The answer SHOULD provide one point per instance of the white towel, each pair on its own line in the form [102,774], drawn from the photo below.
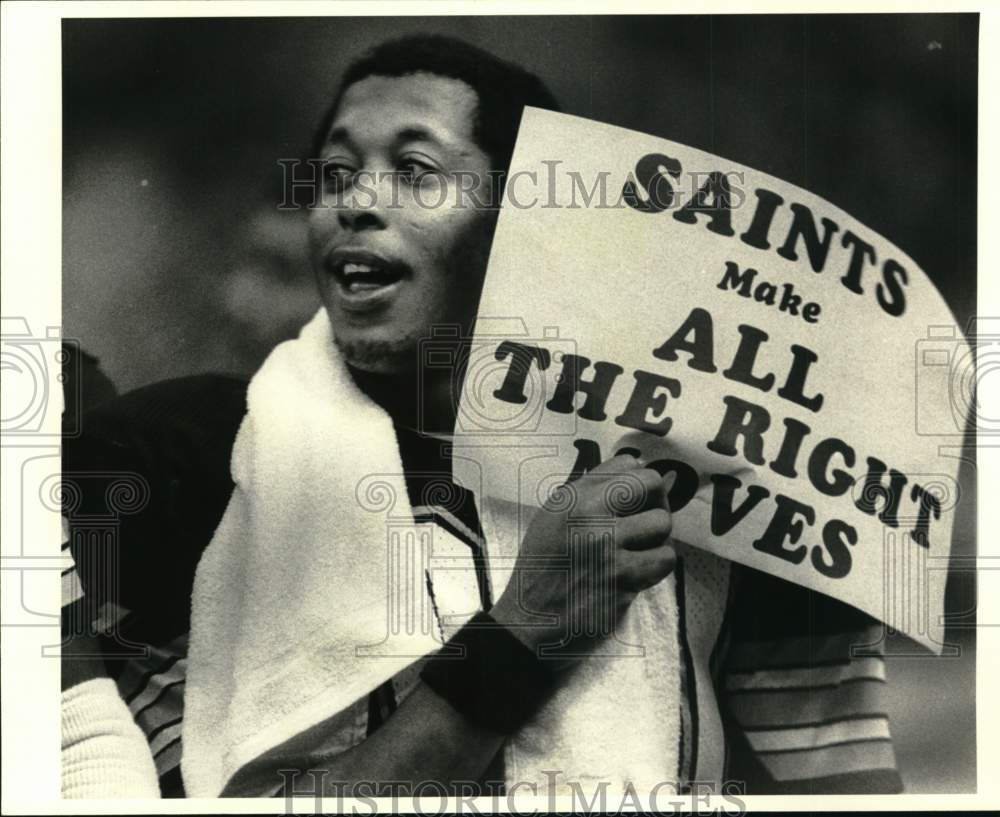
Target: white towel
[616,718]
[296,581]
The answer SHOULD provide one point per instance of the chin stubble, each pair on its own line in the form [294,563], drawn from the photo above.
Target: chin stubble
[379,355]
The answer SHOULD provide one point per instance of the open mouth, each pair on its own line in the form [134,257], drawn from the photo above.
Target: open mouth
[365,280]
[355,277]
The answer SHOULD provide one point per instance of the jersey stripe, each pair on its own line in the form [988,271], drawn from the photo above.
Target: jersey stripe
[824,676]
[843,758]
[811,737]
[794,707]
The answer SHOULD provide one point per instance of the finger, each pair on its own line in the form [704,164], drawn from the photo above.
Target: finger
[615,465]
[625,493]
[645,530]
[655,488]
[641,569]
[633,492]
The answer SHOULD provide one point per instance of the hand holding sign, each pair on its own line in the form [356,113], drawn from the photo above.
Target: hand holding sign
[571,590]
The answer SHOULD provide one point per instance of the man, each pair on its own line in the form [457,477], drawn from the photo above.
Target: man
[769,691]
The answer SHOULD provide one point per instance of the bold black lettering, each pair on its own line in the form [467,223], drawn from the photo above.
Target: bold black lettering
[724,516]
[895,277]
[521,357]
[741,371]
[596,390]
[789,300]
[649,394]
[756,234]
[872,491]
[784,463]
[765,293]
[701,345]
[810,312]
[839,482]
[804,226]
[629,450]
[685,483]
[837,535]
[861,252]
[742,419]
[794,388]
[713,199]
[784,525]
[588,457]
[651,173]
[733,279]
[929,504]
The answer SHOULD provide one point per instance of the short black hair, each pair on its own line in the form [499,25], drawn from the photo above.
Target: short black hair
[502,88]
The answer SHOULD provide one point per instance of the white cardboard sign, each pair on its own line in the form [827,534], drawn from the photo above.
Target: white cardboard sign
[792,368]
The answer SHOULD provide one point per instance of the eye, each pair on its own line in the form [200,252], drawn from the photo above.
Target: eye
[337,175]
[415,168]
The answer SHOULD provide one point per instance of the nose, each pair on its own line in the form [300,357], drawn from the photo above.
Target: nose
[358,219]
[364,208]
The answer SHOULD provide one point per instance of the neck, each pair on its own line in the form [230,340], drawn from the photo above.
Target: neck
[427,407]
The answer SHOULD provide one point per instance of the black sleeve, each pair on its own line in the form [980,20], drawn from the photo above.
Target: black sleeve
[146,481]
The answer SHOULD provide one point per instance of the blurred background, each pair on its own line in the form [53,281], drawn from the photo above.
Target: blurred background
[176,259]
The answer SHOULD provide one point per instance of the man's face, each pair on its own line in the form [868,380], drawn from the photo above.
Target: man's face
[409,252]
